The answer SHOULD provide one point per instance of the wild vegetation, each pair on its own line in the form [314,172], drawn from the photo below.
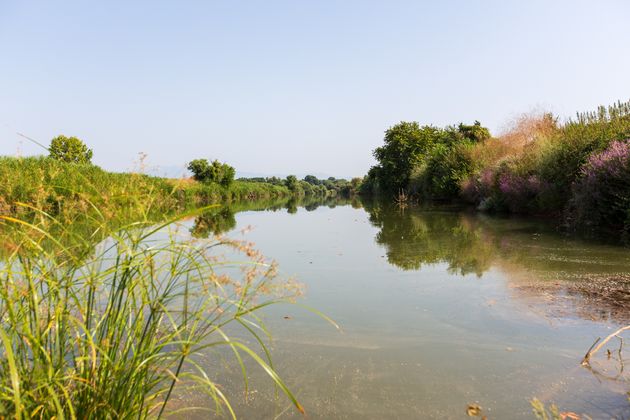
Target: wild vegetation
[313,186]
[107,302]
[112,329]
[59,187]
[70,149]
[220,173]
[66,180]
[578,171]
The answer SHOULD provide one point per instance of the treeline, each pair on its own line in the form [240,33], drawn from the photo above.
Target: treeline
[312,186]
[66,182]
[578,170]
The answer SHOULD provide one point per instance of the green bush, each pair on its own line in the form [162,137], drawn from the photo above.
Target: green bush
[220,173]
[70,149]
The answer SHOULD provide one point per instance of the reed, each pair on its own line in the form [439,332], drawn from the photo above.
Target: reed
[113,328]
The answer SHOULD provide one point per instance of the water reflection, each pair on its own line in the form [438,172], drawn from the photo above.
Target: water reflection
[221,219]
[413,238]
[510,320]
[568,276]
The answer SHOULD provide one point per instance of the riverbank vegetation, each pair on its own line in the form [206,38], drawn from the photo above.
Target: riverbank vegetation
[115,328]
[577,171]
[61,187]
[311,185]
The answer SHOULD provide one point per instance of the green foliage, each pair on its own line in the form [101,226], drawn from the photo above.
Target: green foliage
[537,167]
[220,173]
[312,179]
[406,146]
[70,149]
[62,188]
[292,184]
[112,330]
[426,160]
[313,186]
[446,168]
[475,133]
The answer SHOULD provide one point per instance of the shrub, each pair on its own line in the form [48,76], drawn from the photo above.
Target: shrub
[519,192]
[220,173]
[292,184]
[70,149]
[445,171]
[601,195]
[406,145]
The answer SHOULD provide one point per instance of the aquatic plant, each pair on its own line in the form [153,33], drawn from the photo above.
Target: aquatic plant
[115,330]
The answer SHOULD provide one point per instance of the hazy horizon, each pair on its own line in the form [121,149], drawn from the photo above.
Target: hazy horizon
[294,87]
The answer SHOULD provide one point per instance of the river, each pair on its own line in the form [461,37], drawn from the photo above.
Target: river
[438,310]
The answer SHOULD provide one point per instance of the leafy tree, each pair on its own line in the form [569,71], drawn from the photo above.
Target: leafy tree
[426,158]
[218,172]
[446,169]
[200,169]
[70,149]
[312,179]
[227,173]
[292,183]
[406,145]
[475,133]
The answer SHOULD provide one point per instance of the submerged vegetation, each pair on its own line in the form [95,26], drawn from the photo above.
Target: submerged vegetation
[578,171]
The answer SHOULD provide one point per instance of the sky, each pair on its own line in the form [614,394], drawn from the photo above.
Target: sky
[281,87]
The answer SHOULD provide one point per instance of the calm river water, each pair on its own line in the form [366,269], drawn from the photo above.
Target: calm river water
[438,310]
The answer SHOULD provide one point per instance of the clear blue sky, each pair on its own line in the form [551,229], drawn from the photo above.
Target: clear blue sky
[294,86]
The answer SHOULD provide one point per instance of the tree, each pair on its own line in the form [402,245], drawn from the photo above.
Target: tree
[406,145]
[70,149]
[292,183]
[312,179]
[200,169]
[475,133]
[218,172]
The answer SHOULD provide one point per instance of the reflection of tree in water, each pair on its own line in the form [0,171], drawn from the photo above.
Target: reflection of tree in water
[311,203]
[413,238]
[563,276]
[291,206]
[213,222]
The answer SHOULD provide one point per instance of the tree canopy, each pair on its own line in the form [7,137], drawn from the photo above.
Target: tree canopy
[218,172]
[69,149]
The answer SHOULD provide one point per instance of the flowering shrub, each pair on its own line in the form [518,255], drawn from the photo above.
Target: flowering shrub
[601,195]
[478,188]
[519,191]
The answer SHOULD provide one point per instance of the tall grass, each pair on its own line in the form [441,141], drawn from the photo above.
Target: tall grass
[65,188]
[111,329]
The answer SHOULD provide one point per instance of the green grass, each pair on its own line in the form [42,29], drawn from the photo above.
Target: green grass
[66,188]
[109,329]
